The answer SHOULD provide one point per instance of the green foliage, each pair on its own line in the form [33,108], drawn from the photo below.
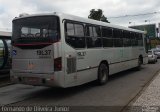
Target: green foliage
[97,15]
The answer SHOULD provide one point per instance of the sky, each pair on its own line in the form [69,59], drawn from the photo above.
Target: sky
[10,9]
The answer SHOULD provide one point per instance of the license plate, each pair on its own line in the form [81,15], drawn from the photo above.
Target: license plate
[33,79]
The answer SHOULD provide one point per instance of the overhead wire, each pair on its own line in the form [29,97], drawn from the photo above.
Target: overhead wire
[142,14]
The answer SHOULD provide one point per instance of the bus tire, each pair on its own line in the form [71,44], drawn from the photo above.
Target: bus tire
[103,74]
[139,63]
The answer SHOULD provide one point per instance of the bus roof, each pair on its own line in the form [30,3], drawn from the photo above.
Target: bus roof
[5,35]
[80,19]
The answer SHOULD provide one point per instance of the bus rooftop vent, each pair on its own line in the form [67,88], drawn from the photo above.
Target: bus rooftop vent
[54,12]
[23,14]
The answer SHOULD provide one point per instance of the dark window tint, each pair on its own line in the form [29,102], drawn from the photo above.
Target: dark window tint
[126,39]
[107,37]
[140,40]
[136,39]
[75,35]
[89,31]
[33,30]
[93,36]
[133,38]
[118,38]
[96,32]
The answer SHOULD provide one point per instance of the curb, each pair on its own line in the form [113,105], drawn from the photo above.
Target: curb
[140,92]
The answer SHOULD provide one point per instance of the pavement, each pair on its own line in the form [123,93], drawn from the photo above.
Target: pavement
[4,80]
[148,100]
[139,89]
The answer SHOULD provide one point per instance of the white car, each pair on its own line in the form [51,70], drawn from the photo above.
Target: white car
[152,57]
[157,52]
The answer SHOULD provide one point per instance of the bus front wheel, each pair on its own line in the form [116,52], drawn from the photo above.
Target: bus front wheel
[103,74]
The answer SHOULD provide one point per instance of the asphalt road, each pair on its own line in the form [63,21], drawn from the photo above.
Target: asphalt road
[113,96]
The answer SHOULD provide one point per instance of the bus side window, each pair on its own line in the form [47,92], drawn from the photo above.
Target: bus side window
[117,36]
[70,29]
[93,36]
[97,36]
[133,39]
[136,39]
[125,39]
[89,35]
[140,40]
[75,35]
[107,37]
[79,34]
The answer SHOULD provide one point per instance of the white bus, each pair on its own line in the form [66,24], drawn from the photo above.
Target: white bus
[62,50]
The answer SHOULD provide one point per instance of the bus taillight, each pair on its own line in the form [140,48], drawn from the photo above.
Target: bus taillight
[58,64]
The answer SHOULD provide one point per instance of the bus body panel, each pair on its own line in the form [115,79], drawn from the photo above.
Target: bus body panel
[87,64]
[32,61]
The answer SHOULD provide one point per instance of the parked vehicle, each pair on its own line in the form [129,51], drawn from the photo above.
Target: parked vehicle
[5,44]
[157,52]
[152,57]
[158,46]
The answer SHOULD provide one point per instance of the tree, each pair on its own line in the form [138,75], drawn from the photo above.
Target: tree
[104,19]
[97,15]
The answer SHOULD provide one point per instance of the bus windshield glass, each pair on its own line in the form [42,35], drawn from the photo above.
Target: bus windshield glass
[35,30]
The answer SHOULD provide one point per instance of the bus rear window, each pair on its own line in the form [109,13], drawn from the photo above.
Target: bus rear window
[36,30]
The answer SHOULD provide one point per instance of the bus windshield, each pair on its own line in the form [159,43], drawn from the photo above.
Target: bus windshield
[35,30]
